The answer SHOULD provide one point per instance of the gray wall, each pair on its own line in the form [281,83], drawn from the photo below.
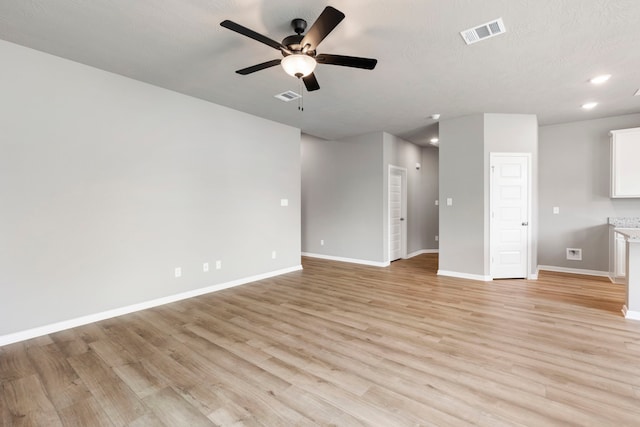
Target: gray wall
[462,237]
[574,176]
[429,183]
[465,147]
[342,184]
[345,196]
[107,184]
[513,133]
[422,190]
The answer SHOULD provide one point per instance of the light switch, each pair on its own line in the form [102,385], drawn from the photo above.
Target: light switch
[449,201]
[437,202]
[284,202]
[556,210]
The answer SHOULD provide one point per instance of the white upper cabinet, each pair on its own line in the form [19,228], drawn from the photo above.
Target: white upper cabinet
[625,163]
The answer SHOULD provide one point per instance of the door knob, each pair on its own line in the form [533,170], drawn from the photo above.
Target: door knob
[401,219]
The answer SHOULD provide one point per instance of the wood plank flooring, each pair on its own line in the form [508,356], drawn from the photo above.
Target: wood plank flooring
[347,345]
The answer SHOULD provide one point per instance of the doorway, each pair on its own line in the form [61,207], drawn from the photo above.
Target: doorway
[397,213]
[510,213]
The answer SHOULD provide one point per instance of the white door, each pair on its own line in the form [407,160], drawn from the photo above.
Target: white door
[397,228]
[509,230]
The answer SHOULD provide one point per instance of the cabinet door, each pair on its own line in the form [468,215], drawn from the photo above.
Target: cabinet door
[625,163]
[620,256]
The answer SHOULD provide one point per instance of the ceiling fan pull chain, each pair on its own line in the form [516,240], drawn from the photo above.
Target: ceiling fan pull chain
[301,99]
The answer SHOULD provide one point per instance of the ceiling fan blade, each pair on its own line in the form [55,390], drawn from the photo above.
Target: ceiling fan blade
[311,83]
[258,67]
[347,61]
[326,22]
[253,35]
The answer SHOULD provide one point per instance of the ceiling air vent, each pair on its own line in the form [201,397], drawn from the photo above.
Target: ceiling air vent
[287,96]
[483,31]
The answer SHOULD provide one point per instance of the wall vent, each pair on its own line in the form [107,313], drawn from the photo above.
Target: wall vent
[574,254]
[483,31]
[287,96]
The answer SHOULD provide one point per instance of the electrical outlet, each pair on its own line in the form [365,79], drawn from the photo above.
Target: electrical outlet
[321,242]
[273,255]
[437,238]
[205,267]
[556,210]
[218,264]
[449,201]
[284,202]
[178,272]
[437,202]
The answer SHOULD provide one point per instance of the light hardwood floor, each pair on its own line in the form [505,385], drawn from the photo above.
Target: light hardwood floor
[341,344]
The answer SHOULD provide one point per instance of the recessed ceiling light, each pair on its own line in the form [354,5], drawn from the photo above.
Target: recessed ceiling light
[434,140]
[600,79]
[589,105]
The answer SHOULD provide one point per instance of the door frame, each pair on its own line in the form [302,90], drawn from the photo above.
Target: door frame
[492,157]
[403,211]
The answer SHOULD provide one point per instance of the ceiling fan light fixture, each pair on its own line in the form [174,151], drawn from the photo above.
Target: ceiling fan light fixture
[298,65]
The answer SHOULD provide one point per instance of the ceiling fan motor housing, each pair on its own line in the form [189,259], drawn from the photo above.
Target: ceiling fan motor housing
[299,25]
[293,43]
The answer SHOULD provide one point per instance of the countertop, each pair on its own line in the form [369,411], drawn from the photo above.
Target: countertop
[631,234]
[625,222]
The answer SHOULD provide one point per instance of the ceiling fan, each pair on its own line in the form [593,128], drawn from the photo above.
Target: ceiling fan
[299,51]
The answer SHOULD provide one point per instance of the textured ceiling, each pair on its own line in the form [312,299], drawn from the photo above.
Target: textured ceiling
[540,66]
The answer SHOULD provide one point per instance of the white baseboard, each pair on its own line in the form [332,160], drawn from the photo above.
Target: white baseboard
[364,261]
[628,314]
[465,275]
[573,270]
[422,251]
[342,259]
[91,318]
[618,280]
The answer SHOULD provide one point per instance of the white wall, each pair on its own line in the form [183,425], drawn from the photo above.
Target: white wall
[574,176]
[107,184]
